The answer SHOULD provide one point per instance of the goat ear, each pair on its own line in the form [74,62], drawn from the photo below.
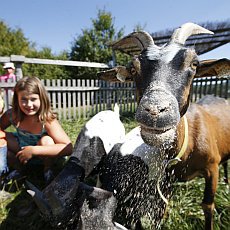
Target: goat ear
[117,74]
[219,68]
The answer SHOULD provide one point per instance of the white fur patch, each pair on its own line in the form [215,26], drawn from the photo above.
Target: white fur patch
[108,127]
[135,145]
[170,52]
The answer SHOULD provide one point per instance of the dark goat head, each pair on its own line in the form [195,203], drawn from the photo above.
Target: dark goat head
[62,213]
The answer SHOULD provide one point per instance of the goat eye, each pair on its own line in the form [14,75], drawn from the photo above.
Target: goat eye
[194,64]
[133,71]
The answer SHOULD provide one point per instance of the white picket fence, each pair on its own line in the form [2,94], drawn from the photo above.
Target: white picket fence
[82,98]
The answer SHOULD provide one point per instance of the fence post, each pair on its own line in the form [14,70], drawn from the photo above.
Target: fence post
[18,60]
[109,96]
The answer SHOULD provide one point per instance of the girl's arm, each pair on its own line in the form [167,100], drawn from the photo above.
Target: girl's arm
[63,145]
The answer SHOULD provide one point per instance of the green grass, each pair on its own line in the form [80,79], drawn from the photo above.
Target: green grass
[183,213]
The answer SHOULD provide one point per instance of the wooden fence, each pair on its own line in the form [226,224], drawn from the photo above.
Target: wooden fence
[210,85]
[82,98]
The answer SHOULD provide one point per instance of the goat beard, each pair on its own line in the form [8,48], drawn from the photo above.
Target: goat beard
[163,140]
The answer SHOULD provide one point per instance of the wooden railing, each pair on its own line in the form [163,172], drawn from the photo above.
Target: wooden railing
[19,60]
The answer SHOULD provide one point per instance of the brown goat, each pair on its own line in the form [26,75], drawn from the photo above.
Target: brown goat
[163,77]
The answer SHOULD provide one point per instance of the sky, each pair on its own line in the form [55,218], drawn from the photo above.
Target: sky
[55,23]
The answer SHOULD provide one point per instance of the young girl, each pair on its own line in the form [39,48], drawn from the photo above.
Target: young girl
[38,132]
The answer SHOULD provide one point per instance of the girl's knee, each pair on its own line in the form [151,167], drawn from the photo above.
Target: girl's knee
[13,161]
[46,140]
[12,142]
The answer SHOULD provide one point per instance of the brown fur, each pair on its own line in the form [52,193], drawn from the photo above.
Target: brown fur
[208,147]
[209,142]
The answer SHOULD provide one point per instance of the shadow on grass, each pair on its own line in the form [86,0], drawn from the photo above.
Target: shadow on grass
[31,221]
[17,218]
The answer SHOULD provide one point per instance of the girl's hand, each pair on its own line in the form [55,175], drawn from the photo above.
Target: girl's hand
[25,154]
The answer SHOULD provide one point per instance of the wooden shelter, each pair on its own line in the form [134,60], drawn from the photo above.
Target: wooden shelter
[202,43]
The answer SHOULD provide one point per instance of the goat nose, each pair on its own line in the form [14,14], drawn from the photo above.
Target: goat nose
[155,110]
[152,110]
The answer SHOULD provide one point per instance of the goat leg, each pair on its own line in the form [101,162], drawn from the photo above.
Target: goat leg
[211,180]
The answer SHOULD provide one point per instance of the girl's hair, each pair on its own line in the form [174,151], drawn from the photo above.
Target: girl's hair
[33,85]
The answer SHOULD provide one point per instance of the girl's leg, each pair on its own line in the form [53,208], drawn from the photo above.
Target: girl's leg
[47,161]
[12,162]
[13,147]
[12,143]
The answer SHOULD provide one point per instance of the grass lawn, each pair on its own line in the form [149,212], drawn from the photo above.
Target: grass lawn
[184,210]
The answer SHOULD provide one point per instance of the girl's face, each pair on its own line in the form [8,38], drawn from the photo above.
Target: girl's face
[29,103]
[9,70]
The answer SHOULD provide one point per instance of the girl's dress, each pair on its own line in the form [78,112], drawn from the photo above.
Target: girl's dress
[25,138]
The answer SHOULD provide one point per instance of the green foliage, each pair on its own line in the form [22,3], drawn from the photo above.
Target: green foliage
[93,45]
[13,41]
[73,128]
[45,71]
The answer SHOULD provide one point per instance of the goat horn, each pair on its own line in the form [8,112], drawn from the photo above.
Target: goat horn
[143,38]
[137,40]
[37,196]
[119,226]
[181,34]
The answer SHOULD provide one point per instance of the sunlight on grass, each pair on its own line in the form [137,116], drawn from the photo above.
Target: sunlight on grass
[183,213]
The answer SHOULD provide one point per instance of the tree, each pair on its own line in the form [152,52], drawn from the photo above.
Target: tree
[13,41]
[93,45]
[45,71]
